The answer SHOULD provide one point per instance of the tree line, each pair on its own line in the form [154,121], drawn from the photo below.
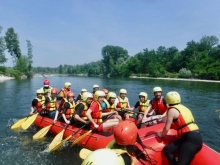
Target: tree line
[22,64]
[198,60]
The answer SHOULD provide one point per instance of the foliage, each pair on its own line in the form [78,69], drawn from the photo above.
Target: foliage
[2,69]
[184,73]
[29,55]
[2,49]
[13,73]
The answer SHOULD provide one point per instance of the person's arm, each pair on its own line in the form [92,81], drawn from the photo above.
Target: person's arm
[76,117]
[66,106]
[108,113]
[33,104]
[146,112]
[133,108]
[88,114]
[56,115]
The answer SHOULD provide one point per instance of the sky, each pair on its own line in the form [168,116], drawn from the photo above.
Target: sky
[75,31]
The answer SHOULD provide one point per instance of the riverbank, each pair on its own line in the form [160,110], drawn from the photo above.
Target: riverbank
[176,79]
[4,78]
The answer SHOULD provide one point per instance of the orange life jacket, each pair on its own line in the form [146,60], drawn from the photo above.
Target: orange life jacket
[71,111]
[52,105]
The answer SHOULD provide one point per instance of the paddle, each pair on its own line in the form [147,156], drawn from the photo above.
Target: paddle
[88,132]
[63,141]
[58,138]
[18,123]
[29,121]
[84,152]
[217,111]
[43,131]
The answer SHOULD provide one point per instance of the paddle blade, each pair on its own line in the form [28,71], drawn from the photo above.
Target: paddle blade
[217,111]
[81,137]
[60,144]
[18,123]
[42,132]
[25,125]
[84,153]
[57,140]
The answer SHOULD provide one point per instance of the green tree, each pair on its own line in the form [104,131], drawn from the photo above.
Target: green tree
[29,55]
[22,64]
[12,43]
[3,59]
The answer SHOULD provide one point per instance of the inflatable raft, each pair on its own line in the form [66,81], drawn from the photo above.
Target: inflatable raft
[93,141]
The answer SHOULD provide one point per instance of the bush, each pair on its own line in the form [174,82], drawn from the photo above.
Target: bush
[2,69]
[14,73]
[184,73]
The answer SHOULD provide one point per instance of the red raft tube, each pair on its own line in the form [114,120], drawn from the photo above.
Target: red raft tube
[94,141]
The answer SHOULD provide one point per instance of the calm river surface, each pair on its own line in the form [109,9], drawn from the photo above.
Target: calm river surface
[18,148]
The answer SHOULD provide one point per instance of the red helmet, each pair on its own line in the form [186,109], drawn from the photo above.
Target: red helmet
[54,90]
[105,91]
[70,94]
[125,133]
[46,82]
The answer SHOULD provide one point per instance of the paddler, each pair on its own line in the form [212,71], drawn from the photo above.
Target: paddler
[47,88]
[157,106]
[122,103]
[65,90]
[79,97]
[94,88]
[181,119]
[95,114]
[38,103]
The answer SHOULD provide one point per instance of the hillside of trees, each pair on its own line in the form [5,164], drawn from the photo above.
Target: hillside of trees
[198,60]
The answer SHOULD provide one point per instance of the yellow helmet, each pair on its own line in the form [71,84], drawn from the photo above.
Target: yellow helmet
[95,86]
[104,156]
[40,91]
[173,98]
[67,84]
[123,91]
[157,89]
[98,94]
[86,95]
[83,90]
[143,94]
[111,94]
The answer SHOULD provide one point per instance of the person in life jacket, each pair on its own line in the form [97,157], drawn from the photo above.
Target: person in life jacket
[110,106]
[95,114]
[108,157]
[51,104]
[127,140]
[38,103]
[47,88]
[95,88]
[82,107]
[65,90]
[181,119]
[157,106]
[141,105]
[104,103]
[122,103]
[79,97]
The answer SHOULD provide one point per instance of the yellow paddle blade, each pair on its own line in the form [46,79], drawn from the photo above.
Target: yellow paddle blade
[60,144]
[29,121]
[18,123]
[58,138]
[42,132]
[84,153]
[217,111]
[81,137]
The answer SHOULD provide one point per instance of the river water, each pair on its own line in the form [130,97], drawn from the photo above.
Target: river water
[18,148]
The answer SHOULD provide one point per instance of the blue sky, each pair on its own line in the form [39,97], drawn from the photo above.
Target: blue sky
[74,31]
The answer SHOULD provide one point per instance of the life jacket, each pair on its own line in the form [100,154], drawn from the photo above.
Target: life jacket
[85,108]
[61,106]
[143,106]
[64,92]
[123,103]
[110,108]
[185,121]
[52,105]
[47,91]
[97,113]
[159,106]
[71,111]
[40,103]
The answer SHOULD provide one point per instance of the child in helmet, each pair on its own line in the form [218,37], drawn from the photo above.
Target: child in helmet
[65,90]
[79,97]
[38,104]
[47,88]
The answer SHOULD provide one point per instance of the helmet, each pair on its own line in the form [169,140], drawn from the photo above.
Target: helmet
[105,91]
[104,156]
[67,84]
[111,94]
[143,94]
[83,90]
[86,95]
[95,86]
[123,91]
[157,89]
[46,82]
[40,91]
[70,94]
[125,133]
[98,94]
[54,90]
[173,98]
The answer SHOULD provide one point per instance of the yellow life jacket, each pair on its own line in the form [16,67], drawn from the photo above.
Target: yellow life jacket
[71,111]
[51,106]
[85,108]
[110,108]
[123,103]
[143,106]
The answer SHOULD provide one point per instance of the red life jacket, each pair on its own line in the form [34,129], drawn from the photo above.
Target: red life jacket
[159,106]
[97,113]
[71,111]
